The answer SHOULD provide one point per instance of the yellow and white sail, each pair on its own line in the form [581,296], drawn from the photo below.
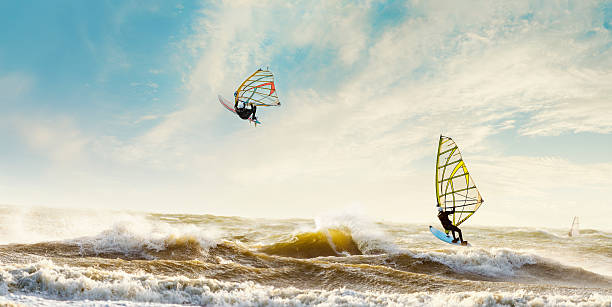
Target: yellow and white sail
[455,187]
[258,89]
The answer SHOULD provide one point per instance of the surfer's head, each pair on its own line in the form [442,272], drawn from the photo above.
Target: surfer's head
[439,209]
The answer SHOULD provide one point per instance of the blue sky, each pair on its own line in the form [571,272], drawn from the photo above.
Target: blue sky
[112,104]
[102,57]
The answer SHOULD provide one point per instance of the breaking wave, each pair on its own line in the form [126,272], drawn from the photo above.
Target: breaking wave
[339,259]
[491,263]
[149,241]
[52,282]
[496,265]
[129,241]
[327,242]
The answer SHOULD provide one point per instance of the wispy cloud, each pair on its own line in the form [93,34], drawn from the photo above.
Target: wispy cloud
[363,105]
[507,68]
[14,85]
[57,139]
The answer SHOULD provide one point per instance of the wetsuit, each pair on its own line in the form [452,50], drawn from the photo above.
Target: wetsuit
[244,112]
[446,223]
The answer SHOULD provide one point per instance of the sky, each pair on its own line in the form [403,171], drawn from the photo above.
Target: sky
[113,104]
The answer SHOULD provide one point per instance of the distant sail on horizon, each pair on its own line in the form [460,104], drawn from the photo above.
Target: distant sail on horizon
[575,229]
[455,187]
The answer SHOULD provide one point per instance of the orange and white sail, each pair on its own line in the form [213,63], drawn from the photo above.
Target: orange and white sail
[258,89]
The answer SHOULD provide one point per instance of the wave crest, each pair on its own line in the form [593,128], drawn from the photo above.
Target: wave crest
[492,263]
[148,241]
[64,283]
[326,242]
[129,240]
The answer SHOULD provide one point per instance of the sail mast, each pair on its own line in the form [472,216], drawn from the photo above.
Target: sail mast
[438,163]
[574,230]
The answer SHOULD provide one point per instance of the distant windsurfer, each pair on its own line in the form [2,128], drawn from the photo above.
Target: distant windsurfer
[446,223]
[243,111]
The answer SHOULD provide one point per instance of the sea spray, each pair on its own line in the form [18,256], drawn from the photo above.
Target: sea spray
[51,282]
[145,258]
[496,262]
[368,236]
[140,236]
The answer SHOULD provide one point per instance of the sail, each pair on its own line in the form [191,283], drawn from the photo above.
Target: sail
[258,89]
[575,230]
[455,187]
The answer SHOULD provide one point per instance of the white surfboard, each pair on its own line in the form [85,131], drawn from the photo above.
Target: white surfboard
[228,106]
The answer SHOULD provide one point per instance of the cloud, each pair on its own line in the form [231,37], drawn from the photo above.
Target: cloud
[363,106]
[448,70]
[58,139]
[534,187]
[330,25]
[14,85]
[147,117]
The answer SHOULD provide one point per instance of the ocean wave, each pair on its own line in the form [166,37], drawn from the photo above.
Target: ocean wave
[594,234]
[370,238]
[65,284]
[556,234]
[152,240]
[497,265]
[327,242]
[130,240]
[492,263]
[9,304]
[37,224]
[545,233]
[224,257]
[340,234]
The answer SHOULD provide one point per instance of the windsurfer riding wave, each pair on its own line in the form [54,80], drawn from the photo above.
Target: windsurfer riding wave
[446,223]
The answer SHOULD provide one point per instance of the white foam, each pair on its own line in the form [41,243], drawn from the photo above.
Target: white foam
[37,224]
[46,284]
[140,235]
[366,234]
[495,262]
[104,231]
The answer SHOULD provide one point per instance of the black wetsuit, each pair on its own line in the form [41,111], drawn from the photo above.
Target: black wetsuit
[245,113]
[446,223]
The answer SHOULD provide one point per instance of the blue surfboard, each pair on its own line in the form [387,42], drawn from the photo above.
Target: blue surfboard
[444,237]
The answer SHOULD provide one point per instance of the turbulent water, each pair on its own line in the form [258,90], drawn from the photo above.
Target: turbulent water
[51,257]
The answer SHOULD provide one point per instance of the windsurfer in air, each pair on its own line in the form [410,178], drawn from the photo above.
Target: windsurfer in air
[446,223]
[243,111]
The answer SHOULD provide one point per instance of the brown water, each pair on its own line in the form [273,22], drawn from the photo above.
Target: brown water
[51,256]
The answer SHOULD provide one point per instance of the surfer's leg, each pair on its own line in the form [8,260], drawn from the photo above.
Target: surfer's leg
[454,229]
[454,238]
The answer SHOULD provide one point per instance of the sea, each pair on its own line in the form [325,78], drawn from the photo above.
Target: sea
[74,257]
